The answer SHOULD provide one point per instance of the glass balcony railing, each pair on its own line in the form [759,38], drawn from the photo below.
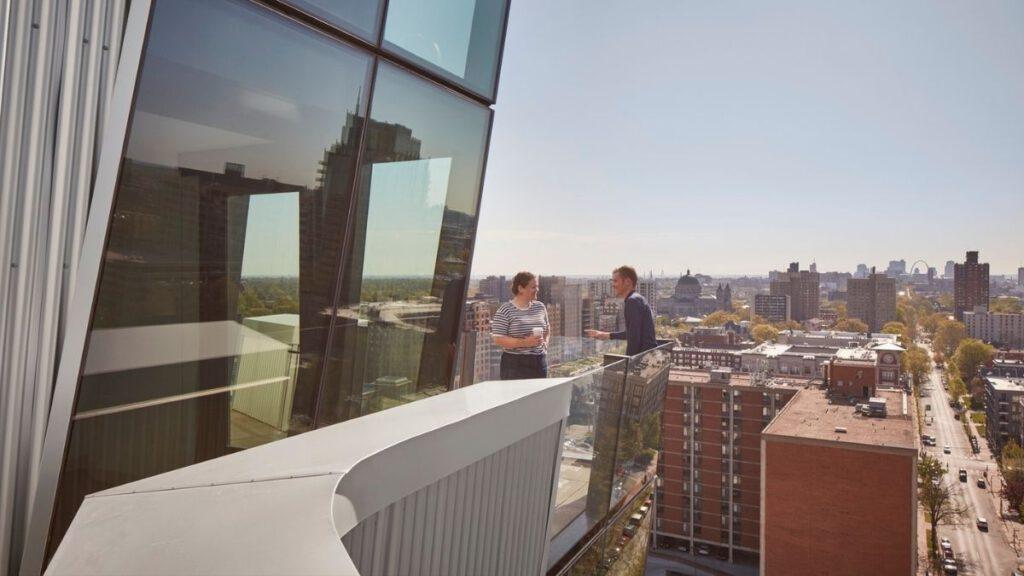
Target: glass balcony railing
[588,514]
[608,465]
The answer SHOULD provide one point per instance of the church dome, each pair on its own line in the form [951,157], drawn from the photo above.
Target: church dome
[687,287]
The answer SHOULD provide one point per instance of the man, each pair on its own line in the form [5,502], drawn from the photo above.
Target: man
[639,332]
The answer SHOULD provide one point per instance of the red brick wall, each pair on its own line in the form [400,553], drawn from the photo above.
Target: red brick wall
[848,509]
[854,378]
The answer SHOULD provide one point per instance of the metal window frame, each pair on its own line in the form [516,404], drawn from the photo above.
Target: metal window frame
[86,287]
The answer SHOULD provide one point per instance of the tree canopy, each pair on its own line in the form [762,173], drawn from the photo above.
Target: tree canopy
[970,356]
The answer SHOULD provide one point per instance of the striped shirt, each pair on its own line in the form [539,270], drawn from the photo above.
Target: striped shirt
[511,320]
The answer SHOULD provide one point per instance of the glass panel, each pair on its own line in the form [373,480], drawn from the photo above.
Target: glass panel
[404,281]
[588,451]
[636,456]
[460,39]
[615,422]
[359,17]
[221,266]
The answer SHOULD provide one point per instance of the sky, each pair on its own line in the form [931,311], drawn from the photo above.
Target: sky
[735,137]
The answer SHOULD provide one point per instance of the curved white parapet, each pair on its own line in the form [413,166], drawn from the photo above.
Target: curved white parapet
[283,508]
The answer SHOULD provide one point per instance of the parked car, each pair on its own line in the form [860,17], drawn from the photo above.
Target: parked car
[946,449]
[703,550]
[982,524]
[949,568]
[963,475]
[947,553]
[981,483]
[945,544]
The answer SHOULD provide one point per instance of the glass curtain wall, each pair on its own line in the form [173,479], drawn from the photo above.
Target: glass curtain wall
[290,238]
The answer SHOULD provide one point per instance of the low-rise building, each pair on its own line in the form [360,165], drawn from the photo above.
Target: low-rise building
[839,488]
[1003,398]
[694,357]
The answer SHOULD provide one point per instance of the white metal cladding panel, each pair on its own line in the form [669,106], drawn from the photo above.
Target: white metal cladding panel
[488,518]
[57,65]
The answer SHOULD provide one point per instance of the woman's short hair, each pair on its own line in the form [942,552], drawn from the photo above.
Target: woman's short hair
[521,280]
[626,272]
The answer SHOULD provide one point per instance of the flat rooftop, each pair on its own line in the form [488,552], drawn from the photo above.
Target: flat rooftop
[683,376]
[1006,384]
[810,415]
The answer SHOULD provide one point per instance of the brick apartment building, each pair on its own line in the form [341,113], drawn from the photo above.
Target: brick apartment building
[872,300]
[803,288]
[710,464]
[839,489]
[970,286]
[773,308]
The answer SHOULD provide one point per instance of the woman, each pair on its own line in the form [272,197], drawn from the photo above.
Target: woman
[520,327]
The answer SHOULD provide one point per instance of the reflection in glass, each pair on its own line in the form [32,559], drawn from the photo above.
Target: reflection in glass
[221,264]
[460,39]
[609,458]
[404,280]
[359,17]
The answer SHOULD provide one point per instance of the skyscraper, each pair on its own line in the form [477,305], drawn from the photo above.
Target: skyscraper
[872,300]
[970,285]
[1020,276]
[950,269]
[862,271]
[802,287]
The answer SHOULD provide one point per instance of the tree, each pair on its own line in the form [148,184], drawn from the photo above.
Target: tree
[898,328]
[719,318]
[948,336]
[945,301]
[840,308]
[917,363]
[936,496]
[957,388]
[931,322]
[764,332]
[1013,488]
[851,325]
[1005,305]
[971,355]
[787,325]
[1012,453]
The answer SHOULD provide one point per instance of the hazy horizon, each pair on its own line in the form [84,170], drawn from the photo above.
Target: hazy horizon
[722,137]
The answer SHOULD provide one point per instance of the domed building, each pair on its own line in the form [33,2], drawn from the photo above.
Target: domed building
[686,299]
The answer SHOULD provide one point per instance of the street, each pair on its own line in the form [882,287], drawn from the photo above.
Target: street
[977,552]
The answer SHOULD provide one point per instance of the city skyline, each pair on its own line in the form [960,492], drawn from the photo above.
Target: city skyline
[831,136]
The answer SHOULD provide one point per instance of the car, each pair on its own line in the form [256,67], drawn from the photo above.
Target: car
[947,553]
[945,544]
[982,524]
[946,449]
[963,475]
[949,568]
[703,550]
[981,483]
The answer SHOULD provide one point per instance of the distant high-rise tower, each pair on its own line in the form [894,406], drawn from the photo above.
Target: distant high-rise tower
[1020,276]
[950,267]
[862,271]
[872,300]
[802,287]
[970,285]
